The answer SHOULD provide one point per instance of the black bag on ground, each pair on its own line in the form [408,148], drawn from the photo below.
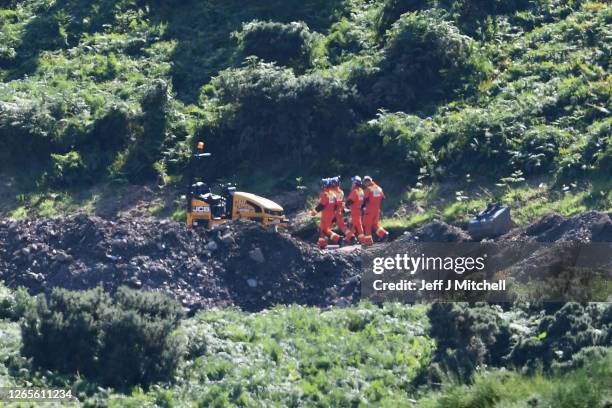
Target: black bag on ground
[492,222]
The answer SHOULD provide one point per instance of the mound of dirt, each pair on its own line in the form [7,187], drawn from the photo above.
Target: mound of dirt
[591,226]
[239,264]
[437,231]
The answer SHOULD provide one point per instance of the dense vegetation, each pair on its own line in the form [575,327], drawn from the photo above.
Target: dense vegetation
[505,100]
[393,355]
[118,342]
[469,338]
[119,89]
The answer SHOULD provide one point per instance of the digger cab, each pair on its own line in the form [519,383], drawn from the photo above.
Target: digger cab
[207,209]
[256,208]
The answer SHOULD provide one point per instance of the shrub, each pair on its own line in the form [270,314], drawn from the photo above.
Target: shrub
[584,357]
[547,11]
[425,59]
[401,141]
[137,162]
[472,14]
[15,304]
[563,334]
[263,112]
[67,169]
[477,141]
[348,38]
[392,10]
[470,337]
[598,151]
[7,302]
[467,338]
[24,130]
[539,149]
[118,342]
[290,44]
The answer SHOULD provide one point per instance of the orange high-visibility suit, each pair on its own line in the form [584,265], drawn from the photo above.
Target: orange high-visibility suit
[327,208]
[337,190]
[354,203]
[373,197]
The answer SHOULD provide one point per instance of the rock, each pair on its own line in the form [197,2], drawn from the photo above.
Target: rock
[342,303]
[35,276]
[257,255]
[212,246]
[252,283]
[227,239]
[590,226]
[62,257]
[438,231]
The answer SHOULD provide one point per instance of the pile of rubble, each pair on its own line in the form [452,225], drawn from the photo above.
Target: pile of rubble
[239,264]
[590,226]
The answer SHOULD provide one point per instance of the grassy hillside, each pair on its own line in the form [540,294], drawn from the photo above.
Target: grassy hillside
[286,356]
[424,91]
[450,104]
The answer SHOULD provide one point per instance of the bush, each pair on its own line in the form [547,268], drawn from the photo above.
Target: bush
[67,169]
[598,152]
[547,11]
[471,337]
[564,334]
[7,302]
[401,141]
[14,304]
[467,338]
[426,59]
[583,358]
[266,113]
[477,141]
[346,39]
[24,131]
[392,10]
[80,128]
[471,15]
[118,342]
[290,44]
[539,149]
[137,162]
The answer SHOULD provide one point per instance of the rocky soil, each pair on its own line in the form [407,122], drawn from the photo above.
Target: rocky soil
[591,226]
[239,264]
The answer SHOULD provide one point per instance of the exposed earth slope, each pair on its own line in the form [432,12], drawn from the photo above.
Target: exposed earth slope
[238,264]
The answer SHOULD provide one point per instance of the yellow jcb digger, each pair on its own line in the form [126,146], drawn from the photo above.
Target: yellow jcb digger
[206,209]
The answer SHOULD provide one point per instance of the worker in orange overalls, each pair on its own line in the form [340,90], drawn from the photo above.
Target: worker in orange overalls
[373,197]
[327,208]
[354,202]
[336,188]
